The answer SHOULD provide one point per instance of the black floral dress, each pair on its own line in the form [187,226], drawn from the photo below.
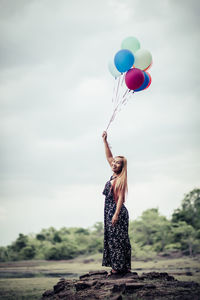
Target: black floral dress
[117,247]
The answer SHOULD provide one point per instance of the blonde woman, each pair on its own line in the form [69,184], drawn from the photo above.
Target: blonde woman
[117,247]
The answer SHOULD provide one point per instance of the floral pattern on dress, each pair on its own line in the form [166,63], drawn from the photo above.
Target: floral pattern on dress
[117,247]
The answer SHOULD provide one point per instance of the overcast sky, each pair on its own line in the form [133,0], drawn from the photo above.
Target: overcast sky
[56,94]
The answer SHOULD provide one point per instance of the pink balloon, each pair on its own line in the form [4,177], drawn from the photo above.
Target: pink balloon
[134,78]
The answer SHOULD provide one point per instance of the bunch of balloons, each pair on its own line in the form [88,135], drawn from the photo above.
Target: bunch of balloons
[129,66]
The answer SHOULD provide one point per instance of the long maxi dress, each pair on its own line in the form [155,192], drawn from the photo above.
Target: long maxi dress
[117,247]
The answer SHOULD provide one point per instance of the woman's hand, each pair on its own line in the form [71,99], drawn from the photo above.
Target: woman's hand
[104,136]
[114,219]
[109,155]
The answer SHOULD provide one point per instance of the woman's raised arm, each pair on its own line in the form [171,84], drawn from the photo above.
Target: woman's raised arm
[109,155]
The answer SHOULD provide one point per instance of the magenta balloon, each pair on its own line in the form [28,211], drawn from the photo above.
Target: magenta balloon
[134,78]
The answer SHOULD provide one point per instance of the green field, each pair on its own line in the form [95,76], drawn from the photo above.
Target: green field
[29,279]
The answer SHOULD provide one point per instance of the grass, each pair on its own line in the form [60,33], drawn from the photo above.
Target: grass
[25,288]
[45,274]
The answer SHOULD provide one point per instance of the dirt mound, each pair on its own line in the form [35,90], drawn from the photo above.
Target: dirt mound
[96,285]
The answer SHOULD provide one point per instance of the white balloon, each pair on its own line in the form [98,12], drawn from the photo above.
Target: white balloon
[143,59]
[113,70]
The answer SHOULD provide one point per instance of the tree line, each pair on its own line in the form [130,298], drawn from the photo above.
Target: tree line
[150,234]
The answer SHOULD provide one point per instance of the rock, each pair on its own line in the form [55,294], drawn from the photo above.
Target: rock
[97,285]
[134,286]
[92,273]
[84,276]
[157,275]
[59,287]
[119,288]
[98,273]
[48,293]
[118,297]
[81,285]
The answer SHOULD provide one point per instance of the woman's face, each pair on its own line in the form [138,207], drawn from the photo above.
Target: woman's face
[117,165]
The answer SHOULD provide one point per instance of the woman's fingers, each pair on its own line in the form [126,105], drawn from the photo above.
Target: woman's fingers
[104,135]
[114,220]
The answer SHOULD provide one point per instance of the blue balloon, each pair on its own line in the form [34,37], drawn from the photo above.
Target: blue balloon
[124,60]
[145,83]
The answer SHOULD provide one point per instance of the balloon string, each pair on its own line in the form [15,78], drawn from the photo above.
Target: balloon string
[123,79]
[114,90]
[115,100]
[117,89]
[111,119]
[123,102]
[118,109]
[124,98]
[119,102]
[125,93]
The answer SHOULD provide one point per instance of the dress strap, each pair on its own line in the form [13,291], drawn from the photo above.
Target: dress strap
[111,178]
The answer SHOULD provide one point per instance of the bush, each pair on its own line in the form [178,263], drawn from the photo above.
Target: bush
[52,253]
[143,252]
[172,247]
[61,251]
[27,252]
[3,254]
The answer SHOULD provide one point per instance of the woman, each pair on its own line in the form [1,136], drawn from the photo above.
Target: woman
[117,247]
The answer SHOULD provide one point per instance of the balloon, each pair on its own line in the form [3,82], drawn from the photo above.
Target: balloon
[149,81]
[148,66]
[124,60]
[143,59]
[145,83]
[113,70]
[130,43]
[134,78]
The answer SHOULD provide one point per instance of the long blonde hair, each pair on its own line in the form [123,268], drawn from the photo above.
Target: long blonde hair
[120,183]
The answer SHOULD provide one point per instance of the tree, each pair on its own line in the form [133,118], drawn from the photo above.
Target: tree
[189,210]
[20,243]
[81,230]
[40,237]
[28,252]
[57,238]
[48,233]
[3,254]
[185,235]
[61,251]
[98,228]
[151,229]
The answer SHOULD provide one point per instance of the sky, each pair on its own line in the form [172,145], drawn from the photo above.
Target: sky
[56,100]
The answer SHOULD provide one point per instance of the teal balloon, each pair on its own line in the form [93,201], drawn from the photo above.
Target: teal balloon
[113,70]
[131,43]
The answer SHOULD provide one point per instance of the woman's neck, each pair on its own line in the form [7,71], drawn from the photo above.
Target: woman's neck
[114,175]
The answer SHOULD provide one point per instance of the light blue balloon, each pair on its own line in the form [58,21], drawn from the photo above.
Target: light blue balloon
[113,70]
[124,60]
